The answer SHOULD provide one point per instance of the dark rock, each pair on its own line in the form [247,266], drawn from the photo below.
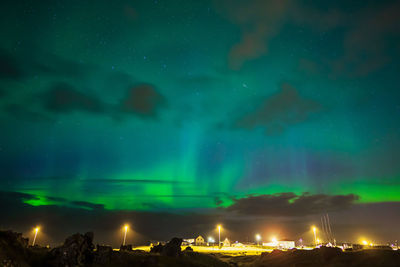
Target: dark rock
[328,253]
[157,249]
[102,256]
[188,249]
[77,250]
[172,248]
[13,249]
[277,252]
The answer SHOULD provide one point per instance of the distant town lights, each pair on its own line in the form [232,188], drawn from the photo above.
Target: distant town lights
[274,239]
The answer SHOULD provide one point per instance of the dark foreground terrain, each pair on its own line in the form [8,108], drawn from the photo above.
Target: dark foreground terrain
[78,250]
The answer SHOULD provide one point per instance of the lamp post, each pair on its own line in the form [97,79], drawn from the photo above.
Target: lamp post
[258,238]
[125,232]
[219,236]
[34,238]
[315,235]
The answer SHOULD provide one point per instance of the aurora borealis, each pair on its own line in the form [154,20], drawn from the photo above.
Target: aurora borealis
[201,107]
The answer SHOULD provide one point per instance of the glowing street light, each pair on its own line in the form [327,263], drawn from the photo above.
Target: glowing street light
[274,239]
[258,238]
[211,239]
[126,227]
[219,235]
[36,232]
[315,235]
[364,242]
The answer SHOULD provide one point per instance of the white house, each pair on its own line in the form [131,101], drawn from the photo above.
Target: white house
[187,241]
[282,244]
[200,241]
[226,243]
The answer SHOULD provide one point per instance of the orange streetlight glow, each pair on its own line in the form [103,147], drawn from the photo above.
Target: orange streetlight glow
[36,232]
[126,227]
[219,235]
[315,234]
[258,238]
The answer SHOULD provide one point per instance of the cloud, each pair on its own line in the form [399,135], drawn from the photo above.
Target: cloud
[31,60]
[134,181]
[290,204]
[279,111]
[60,221]
[143,100]
[21,113]
[63,98]
[3,92]
[9,68]
[370,42]
[258,21]
[88,205]
[57,201]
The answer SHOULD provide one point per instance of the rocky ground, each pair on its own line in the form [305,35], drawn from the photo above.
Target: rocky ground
[78,250]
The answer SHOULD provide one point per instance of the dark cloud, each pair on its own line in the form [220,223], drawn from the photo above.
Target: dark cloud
[24,113]
[3,92]
[62,98]
[88,205]
[57,66]
[134,181]
[31,60]
[258,21]
[370,42]
[16,196]
[59,221]
[279,111]
[22,197]
[143,100]
[9,67]
[290,204]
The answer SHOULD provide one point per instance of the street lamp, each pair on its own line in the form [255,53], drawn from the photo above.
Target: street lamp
[258,238]
[315,234]
[126,227]
[219,235]
[274,240]
[36,232]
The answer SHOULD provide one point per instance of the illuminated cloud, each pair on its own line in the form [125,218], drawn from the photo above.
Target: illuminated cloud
[143,100]
[9,68]
[279,111]
[62,98]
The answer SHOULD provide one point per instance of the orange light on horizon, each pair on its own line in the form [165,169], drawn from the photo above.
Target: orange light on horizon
[126,227]
[36,230]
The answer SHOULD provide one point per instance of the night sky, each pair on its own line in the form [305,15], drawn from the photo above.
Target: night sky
[175,116]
